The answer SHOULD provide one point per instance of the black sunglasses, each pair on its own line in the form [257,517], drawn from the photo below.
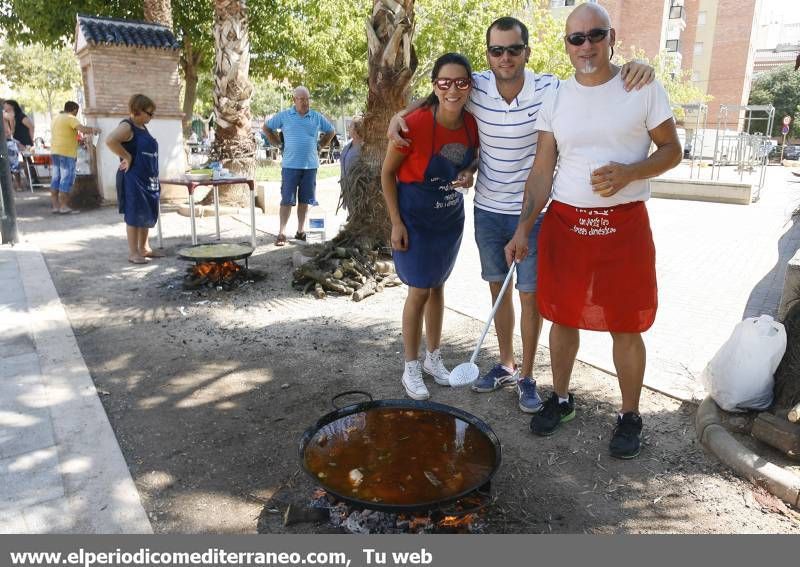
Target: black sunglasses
[513,50]
[150,114]
[462,83]
[594,36]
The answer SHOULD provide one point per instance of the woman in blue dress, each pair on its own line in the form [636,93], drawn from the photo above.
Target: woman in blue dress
[420,184]
[138,190]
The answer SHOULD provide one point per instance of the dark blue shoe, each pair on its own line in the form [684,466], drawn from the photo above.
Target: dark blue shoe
[552,415]
[529,400]
[625,441]
[498,377]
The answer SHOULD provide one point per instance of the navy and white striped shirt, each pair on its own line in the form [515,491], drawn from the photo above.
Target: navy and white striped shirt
[508,137]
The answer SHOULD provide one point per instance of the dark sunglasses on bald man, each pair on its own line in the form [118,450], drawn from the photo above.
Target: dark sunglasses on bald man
[513,50]
[594,36]
[462,83]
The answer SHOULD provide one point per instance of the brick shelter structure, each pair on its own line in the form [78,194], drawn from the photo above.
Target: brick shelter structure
[119,58]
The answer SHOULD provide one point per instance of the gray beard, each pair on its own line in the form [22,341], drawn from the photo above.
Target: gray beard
[588,68]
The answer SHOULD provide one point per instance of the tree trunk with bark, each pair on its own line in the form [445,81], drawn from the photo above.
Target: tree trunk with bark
[190,60]
[158,12]
[365,236]
[787,377]
[234,144]
[392,63]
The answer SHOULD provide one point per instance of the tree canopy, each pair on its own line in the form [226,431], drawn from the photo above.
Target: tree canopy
[319,43]
[45,77]
[781,89]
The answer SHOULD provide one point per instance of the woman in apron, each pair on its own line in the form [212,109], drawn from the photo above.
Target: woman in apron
[138,190]
[420,185]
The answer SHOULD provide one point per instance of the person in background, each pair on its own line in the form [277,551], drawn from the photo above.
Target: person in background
[12,147]
[23,132]
[597,268]
[420,184]
[352,149]
[138,190]
[64,155]
[300,127]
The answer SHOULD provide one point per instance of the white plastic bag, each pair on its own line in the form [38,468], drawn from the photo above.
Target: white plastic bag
[742,374]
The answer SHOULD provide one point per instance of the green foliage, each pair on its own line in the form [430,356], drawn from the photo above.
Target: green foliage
[548,54]
[781,89]
[45,77]
[677,83]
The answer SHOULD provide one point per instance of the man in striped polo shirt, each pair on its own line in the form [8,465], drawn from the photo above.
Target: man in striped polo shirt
[301,127]
[505,102]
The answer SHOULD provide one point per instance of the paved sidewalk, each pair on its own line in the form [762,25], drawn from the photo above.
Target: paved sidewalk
[61,469]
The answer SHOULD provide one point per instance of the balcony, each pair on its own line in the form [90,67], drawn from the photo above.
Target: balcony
[676,13]
[677,19]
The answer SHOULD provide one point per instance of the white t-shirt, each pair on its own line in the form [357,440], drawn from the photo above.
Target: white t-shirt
[508,133]
[597,125]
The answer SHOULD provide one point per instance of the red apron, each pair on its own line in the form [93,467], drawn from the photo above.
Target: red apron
[597,268]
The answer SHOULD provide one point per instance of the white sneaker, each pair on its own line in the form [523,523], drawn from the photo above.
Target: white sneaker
[412,381]
[434,366]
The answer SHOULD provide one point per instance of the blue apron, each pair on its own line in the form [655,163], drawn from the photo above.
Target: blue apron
[433,213]
[138,191]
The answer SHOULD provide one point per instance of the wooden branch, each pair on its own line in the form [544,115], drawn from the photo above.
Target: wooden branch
[368,289]
[794,414]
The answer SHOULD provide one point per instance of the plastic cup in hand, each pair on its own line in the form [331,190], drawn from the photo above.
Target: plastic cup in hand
[594,166]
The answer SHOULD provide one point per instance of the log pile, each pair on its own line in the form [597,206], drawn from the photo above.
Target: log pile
[354,270]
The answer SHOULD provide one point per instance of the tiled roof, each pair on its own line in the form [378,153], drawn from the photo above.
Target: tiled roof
[132,33]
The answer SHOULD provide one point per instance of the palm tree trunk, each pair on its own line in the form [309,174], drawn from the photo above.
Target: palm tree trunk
[363,240]
[234,144]
[158,12]
[392,62]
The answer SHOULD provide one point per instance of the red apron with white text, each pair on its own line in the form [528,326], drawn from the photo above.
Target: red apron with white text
[597,268]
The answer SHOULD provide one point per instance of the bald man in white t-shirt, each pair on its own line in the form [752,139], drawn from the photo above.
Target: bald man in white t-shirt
[596,252]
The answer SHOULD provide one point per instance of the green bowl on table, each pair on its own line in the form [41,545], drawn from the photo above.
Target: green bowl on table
[199,174]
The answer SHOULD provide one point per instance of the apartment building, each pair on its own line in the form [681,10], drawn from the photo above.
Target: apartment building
[778,36]
[713,39]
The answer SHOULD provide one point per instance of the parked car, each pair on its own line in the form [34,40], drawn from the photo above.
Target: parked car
[791,153]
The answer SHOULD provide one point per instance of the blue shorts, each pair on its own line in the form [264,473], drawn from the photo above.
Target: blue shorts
[492,232]
[63,176]
[298,185]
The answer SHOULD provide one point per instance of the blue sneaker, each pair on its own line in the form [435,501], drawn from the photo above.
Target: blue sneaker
[498,377]
[529,400]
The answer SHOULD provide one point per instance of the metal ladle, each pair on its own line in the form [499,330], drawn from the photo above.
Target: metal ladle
[467,372]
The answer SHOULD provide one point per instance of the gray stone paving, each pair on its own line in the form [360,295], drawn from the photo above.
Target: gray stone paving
[61,470]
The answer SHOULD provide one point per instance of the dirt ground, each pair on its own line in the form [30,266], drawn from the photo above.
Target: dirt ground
[209,392]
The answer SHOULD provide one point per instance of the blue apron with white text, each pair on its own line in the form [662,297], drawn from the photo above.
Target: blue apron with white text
[138,190]
[433,213]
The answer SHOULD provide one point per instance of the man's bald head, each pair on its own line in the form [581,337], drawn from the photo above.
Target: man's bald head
[592,14]
[302,100]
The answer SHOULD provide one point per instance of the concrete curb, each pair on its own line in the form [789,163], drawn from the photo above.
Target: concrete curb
[101,497]
[718,440]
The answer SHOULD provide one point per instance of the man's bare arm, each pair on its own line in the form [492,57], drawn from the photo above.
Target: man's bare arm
[537,193]
[611,178]
[397,125]
[271,136]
